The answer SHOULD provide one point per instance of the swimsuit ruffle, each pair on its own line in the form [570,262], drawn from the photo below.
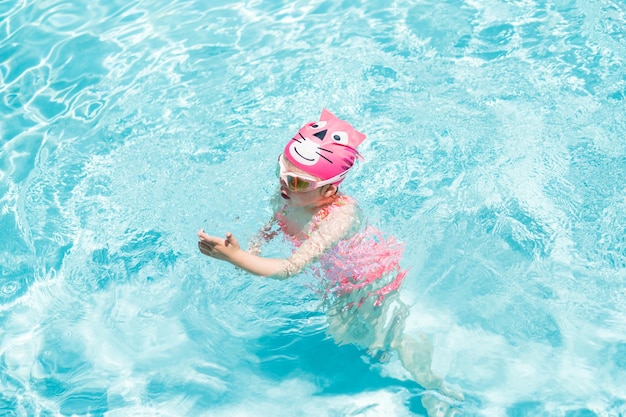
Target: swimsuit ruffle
[367,261]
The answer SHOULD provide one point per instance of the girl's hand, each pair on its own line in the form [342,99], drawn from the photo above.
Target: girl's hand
[228,250]
[218,248]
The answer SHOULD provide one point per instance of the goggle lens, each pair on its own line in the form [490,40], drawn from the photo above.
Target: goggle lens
[298,184]
[294,183]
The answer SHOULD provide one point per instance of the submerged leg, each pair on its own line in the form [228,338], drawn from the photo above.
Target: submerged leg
[379,328]
[435,407]
[416,356]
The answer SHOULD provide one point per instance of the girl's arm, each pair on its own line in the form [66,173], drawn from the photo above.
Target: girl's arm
[329,231]
[228,249]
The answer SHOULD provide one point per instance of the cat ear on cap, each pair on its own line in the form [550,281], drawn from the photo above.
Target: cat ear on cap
[326,115]
[356,137]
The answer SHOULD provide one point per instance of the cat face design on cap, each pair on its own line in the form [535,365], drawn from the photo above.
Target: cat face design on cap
[317,142]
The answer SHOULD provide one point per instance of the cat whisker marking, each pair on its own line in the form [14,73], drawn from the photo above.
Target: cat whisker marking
[324,157]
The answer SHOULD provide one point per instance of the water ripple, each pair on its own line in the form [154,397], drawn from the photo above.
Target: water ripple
[494,149]
[66,17]
[9,288]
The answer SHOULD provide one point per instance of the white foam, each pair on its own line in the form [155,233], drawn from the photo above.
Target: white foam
[299,397]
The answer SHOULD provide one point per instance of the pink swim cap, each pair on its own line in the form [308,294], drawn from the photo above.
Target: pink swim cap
[325,148]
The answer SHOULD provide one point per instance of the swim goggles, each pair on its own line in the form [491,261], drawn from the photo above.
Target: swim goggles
[301,182]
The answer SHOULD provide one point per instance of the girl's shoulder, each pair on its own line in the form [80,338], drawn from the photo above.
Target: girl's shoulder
[341,218]
[342,203]
[341,213]
[344,210]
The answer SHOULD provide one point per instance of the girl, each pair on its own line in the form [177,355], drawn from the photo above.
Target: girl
[358,267]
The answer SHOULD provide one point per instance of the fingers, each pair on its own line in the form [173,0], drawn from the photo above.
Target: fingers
[206,244]
[230,239]
[209,239]
[206,248]
[217,247]
[202,235]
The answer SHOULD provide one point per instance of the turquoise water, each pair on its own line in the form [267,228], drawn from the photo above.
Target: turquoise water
[495,150]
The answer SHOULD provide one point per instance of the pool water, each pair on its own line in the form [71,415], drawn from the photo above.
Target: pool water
[495,151]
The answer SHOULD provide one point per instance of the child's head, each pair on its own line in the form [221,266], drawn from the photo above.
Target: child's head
[300,188]
[325,149]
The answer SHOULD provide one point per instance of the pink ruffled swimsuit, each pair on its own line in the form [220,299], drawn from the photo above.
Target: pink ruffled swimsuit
[363,265]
